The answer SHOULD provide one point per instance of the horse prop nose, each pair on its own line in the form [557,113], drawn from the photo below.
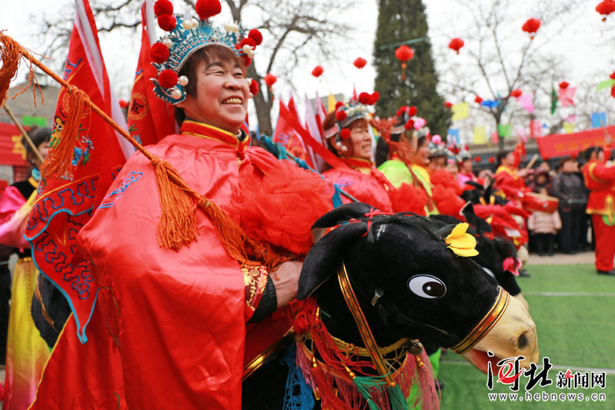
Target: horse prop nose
[513,335]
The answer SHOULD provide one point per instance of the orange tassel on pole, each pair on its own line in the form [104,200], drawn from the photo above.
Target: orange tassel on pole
[177,223]
[63,144]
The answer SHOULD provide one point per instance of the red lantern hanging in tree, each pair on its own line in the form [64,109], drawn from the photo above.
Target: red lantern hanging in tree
[563,85]
[404,54]
[270,79]
[317,71]
[478,100]
[516,93]
[360,62]
[612,76]
[456,44]
[448,105]
[613,91]
[605,8]
[531,27]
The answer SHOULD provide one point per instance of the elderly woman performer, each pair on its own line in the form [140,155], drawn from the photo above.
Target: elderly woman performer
[183,317]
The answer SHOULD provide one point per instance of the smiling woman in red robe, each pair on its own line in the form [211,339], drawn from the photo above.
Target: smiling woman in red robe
[183,320]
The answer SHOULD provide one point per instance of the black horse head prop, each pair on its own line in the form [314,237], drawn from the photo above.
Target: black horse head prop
[411,282]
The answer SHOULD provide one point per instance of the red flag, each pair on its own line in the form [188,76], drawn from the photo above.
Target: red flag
[287,135]
[149,118]
[63,205]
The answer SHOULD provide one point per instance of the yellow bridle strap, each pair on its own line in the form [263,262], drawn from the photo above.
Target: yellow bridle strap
[486,324]
[363,326]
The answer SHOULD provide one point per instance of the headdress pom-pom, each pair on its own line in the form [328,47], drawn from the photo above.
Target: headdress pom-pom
[168,78]
[167,22]
[341,115]
[345,134]
[162,7]
[159,53]
[256,35]
[207,8]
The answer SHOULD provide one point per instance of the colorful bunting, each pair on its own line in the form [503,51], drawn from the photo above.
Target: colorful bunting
[535,129]
[568,127]
[480,135]
[460,111]
[453,136]
[527,102]
[598,119]
[490,103]
[566,96]
[504,130]
[605,84]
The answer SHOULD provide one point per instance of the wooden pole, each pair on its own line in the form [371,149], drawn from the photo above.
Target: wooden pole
[24,134]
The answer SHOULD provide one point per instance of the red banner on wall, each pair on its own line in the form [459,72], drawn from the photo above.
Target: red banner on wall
[560,145]
[12,152]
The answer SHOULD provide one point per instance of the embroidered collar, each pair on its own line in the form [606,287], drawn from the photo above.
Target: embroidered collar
[358,163]
[202,130]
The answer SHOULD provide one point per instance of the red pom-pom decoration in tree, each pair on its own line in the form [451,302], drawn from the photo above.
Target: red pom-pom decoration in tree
[375,97]
[341,115]
[338,104]
[456,44]
[491,160]
[345,134]
[167,79]
[477,159]
[365,98]
[123,104]
[159,53]
[531,27]
[270,79]
[612,76]
[162,7]
[516,93]
[478,100]
[563,85]
[360,62]
[254,87]
[256,35]
[448,105]
[412,111]
[167,22]
[246,60]
[613,91]
[207,8]
[317,71]
[409,124]
[605,8]
[404,54]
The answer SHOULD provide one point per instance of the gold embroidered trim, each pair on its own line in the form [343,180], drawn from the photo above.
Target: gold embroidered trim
[255,281]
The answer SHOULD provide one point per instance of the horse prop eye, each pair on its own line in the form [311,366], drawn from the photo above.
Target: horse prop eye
[427,286]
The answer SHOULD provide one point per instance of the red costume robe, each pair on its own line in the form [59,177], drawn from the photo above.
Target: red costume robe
[363,181]
[178,319]
[600,180]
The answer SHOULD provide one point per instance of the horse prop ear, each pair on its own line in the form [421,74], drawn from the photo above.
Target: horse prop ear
[481,225]
[326,255]
[340,214]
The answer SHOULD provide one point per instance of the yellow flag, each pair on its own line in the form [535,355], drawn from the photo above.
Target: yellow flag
[480,135]
[568,127]
[331,103]
[461,111]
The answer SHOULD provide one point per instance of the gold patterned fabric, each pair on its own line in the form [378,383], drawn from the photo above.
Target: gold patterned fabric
[255,281]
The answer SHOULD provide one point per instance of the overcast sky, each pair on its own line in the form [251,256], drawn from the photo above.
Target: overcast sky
[582,44]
